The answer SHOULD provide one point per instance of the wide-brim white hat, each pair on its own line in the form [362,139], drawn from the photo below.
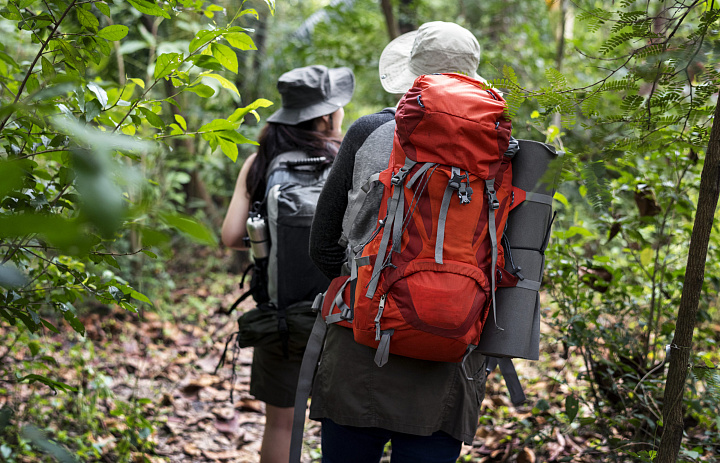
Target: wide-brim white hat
[435,47]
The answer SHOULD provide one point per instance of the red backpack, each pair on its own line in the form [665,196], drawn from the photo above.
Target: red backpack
[425,281]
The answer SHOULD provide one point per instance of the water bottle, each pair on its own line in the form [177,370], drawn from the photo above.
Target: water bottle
[259,238]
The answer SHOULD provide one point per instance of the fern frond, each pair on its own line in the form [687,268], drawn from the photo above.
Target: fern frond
[617,40]
[557,80]
[589,105]
[625,83]
[595,180]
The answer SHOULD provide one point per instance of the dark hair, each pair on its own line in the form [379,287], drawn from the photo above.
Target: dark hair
[276,139]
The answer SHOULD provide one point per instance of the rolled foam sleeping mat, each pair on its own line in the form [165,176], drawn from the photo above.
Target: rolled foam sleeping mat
[518,309]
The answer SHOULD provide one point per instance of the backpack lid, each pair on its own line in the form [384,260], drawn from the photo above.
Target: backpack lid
[454,120]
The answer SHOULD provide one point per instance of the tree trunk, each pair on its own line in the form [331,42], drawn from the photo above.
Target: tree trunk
[560,49]
[407,17]
[390,21]
[692,287]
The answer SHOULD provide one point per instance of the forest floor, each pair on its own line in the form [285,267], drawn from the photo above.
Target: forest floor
[163,361]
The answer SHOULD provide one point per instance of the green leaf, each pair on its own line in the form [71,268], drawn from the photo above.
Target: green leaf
[103,7]
[201,90]
[572,405]
[149,253]
[113,33]
[240,40]
[70,316]
[271,6]
[181,120]
[40,440]
[166,64]
[224,82]
[140,297]
[87,19]
[241,112]
[48,70]
[577,230]
[50,326]
[210,10]
[139,82]
[229,148]
[116,294]
[11,277]
[152,118]
[149,7]
[235,137]
[249,11]
[190,227]
[99,92]
[217,125]
[57,231]
[226,56]
[12,174]
[202,38]
[646,257]
[561,198]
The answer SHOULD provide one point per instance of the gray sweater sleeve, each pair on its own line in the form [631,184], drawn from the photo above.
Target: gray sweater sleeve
[326,229]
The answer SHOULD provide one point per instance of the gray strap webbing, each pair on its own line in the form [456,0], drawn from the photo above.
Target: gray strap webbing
[387,228]
[399,220]
[362,261]
[383,351]
[490,187]
[528,284]
[538,198]
[305,380]
[419,173]
[387,231]
[442,219]
[507,369]
[372,179]
[345,313]
[470,350]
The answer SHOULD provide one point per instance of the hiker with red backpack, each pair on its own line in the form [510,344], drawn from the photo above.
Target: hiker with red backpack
[391,231]
[295,150]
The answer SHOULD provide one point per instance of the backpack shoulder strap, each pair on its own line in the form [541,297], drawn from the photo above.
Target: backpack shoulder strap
[305,380]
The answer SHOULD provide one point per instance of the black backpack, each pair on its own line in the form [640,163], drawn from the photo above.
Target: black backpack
[285,283]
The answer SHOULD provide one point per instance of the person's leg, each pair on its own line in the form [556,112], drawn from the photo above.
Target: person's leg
[349,444]
[276,438]
[437,448]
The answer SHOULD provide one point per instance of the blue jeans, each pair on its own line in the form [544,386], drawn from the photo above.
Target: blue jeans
[349,444]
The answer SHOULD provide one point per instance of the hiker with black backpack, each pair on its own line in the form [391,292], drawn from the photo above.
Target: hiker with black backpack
[425,408]
[295,152]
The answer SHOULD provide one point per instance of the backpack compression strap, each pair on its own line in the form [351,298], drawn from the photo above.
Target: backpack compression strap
[393,225]
[493,204]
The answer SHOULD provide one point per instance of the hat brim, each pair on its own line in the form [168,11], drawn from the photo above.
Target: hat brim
[394,66]
[342,87]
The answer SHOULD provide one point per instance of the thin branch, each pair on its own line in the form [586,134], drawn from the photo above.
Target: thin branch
[37,57]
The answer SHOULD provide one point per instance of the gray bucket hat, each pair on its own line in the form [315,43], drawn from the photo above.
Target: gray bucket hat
[435,47]
[311,92]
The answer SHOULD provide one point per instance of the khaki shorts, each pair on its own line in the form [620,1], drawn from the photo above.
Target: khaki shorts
[273,378]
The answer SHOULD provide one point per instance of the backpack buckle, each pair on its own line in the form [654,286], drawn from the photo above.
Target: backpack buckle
[461,183]
[492,195]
